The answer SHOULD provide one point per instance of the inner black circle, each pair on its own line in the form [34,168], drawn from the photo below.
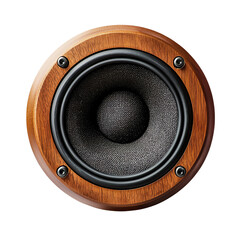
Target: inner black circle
[76,111]
[122,116]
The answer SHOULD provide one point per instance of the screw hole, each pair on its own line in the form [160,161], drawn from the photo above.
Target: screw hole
[63,62]
[180,171]
[178,62]
[62,171]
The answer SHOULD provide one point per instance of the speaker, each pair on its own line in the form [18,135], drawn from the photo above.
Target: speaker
[120,117]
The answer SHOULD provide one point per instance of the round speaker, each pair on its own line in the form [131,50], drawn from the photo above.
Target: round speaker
[120,117]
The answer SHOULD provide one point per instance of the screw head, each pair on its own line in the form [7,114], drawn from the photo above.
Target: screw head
[178,62]
[62,171]
[63,62]
[180,171]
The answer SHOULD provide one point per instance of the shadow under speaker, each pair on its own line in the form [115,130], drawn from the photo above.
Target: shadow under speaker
[120,117]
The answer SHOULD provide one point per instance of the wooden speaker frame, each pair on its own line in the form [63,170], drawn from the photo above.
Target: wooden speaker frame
[78,48]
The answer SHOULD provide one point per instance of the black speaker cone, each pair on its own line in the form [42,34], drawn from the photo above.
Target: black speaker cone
[121,118]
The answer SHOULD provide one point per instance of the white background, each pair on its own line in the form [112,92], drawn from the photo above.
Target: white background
[32,207]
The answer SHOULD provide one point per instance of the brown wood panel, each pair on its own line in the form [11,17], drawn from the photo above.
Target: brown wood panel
[47,80]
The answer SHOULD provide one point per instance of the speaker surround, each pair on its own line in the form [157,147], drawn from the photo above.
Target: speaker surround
[120,117]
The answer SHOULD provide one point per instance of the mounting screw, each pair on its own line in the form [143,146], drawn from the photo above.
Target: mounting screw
[178,62]
[180,171]
[63,62]
[62,171]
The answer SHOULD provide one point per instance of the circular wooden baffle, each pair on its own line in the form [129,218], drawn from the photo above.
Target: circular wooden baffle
[78,49]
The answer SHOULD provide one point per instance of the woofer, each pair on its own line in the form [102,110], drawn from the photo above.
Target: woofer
[113,112]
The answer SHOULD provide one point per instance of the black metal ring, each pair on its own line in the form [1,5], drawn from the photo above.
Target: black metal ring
[111,56]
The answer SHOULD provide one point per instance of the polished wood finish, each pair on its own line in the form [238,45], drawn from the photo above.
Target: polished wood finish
[47,80]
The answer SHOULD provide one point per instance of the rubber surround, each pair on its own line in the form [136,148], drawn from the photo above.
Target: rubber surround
[170,78]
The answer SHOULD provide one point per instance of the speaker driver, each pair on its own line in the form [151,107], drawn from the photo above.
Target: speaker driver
[124,121]
[123,125]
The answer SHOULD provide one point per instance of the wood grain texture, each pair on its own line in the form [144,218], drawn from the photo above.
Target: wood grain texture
[50,75]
